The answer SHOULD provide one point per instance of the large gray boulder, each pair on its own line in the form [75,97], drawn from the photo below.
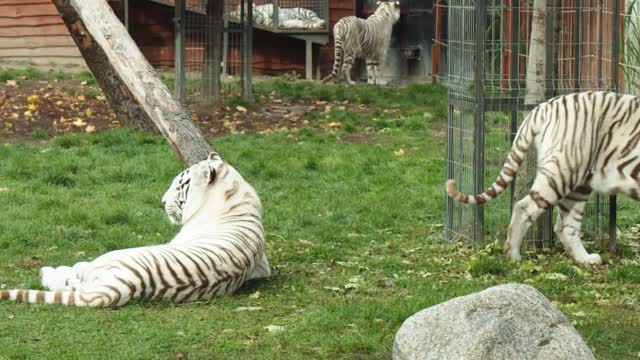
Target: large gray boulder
[511,321]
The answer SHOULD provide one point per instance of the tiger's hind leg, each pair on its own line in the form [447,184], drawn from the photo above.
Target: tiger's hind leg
[525,213]
[371,72]
[570,212]
[261,269]
[347,64]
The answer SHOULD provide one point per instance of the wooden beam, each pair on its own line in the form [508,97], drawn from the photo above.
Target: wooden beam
[131,85]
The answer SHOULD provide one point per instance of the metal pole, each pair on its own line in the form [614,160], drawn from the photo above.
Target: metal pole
[478,158]
[615,59]
[125,4]
[546,221]
[513,77]
[309,59]
[577,46]
[225,48]
[180,10]
[248,45]
[276,14]
[449,201]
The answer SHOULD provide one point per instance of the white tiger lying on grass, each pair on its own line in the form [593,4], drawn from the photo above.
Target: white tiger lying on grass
[219,247]
[585,142]
[359,38]
[288,18]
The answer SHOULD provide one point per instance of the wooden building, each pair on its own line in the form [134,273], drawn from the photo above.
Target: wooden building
[32,31]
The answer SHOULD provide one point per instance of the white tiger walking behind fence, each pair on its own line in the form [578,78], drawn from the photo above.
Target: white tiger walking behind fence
[585,142]
[363,38]
[221,245]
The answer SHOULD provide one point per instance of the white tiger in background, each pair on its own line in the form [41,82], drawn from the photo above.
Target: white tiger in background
[288,18]
[364,38]
[221,245]
[585,142]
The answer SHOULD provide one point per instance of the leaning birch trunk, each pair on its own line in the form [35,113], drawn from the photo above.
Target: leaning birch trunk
[132,87]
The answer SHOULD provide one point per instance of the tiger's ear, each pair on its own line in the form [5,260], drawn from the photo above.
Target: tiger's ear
[378,3]
[213,155]
[212,174]
[397,3]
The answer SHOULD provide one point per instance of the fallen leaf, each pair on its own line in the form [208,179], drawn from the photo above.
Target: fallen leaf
[79,122]
[88,112]
[28,113]
[33,99]
[555,276]
[12,83]
[90,129]
[378,321]
[32,107]
[59,103]
[248,308]
[4,189]
[275,328]
[8,125]
[255,295]
[334,124]
[83,83]
[241,108]
[399,152]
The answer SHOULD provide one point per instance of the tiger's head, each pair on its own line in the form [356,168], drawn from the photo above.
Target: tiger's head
[188,191]
[389,9]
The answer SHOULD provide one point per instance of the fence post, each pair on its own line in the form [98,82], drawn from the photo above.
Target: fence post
[614,73]
[179,65]
[478,128]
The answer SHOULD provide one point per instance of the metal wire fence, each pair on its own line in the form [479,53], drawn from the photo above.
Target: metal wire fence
[489,49]
[213,51]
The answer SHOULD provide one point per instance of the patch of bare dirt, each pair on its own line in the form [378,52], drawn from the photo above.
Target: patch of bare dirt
[29,107]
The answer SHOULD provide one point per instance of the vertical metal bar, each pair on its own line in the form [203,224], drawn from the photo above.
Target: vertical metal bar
[546,221]
[225,49]
[478,156]
[309,59]
[243,45]
[615,59]
[514,79]
[600,45]
[449,201]
[179,65]
[248,45]
[577,45]
[276,15]
[125,4]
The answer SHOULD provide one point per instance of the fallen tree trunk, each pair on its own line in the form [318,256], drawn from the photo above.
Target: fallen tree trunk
[131,85]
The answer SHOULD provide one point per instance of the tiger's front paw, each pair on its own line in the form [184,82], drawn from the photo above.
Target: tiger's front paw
[45,275]
[591,259]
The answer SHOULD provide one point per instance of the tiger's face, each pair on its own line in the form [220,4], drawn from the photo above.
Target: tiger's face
[389,8]
[186,194]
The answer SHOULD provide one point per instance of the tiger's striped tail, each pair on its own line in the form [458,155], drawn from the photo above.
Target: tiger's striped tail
[524,139]
[70,298]
[337,60]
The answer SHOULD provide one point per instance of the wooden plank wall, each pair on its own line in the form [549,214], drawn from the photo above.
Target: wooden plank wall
[151,26]
[32,31]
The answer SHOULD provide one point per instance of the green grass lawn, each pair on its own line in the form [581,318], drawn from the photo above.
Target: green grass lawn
[353,233]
